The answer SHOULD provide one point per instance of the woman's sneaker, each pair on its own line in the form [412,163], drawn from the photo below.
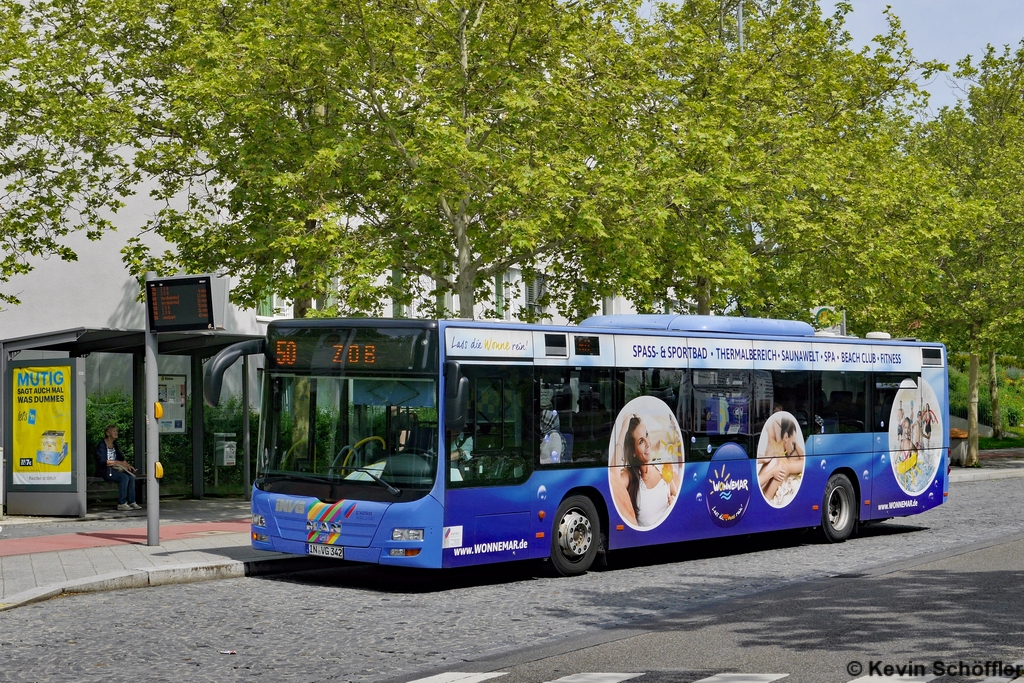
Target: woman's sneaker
[124,507]
[135,506]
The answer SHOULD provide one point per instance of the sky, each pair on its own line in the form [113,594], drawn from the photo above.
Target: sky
[942,30]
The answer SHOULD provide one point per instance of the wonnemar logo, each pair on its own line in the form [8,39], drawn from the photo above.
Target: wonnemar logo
[728,493]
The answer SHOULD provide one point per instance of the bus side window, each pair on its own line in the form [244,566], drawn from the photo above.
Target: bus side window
[781,391]
[886,385]
[839,404]
[574,416]
[496,446]
[721,411]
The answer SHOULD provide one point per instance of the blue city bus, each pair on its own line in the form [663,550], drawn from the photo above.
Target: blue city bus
[448,443]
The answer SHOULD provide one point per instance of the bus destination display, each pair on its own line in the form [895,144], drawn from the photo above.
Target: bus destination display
[179,304]
[353,349]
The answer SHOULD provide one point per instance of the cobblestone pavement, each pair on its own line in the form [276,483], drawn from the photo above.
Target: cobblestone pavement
[359,623]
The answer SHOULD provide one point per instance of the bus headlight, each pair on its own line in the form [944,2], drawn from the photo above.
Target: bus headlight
[407,535]
[258,520]
[404,552]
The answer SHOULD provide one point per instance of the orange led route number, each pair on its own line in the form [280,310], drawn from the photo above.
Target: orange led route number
[286,353]
[357,353]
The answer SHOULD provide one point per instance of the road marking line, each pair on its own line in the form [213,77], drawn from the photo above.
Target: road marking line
[742,678]
[459,677]
[596,678]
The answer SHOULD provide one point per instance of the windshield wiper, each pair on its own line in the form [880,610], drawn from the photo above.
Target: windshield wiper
[278,476]
[368,472]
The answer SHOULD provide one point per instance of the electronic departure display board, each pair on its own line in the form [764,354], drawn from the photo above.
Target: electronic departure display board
[339,349]
[179,304]
[587,346]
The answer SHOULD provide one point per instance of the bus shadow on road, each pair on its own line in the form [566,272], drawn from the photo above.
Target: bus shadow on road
[942,612]
[413,581]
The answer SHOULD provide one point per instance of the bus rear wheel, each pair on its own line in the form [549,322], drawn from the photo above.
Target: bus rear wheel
[575,538]
[838,509]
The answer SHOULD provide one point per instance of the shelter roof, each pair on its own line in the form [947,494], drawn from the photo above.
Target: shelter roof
[85,340]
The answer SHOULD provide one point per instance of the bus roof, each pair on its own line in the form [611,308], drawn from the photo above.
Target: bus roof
[717,324]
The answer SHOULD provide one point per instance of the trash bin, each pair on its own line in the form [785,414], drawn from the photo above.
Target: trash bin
[225,449]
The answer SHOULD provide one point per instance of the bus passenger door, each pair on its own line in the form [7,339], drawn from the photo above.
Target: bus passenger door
[487,508]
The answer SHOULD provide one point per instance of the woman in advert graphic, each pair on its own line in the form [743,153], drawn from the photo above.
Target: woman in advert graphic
[782,462]
[111,465]
[644,494]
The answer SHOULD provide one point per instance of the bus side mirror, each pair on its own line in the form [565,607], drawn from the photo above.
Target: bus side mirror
[456,397]
[218,365]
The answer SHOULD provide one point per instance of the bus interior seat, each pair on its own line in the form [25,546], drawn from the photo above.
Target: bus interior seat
[423,438]
[567,440]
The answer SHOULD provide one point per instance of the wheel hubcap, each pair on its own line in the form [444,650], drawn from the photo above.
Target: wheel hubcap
[838,508]
[575,534]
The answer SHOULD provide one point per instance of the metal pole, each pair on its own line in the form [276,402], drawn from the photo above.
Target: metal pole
[245,428]
[198,429]
[152,431]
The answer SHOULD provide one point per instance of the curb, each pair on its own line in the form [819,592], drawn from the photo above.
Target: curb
[983,475]
[162,576]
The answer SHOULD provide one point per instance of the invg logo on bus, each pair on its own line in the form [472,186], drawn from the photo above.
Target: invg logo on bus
[297,507]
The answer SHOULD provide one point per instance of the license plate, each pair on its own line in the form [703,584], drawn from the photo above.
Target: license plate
[326,550]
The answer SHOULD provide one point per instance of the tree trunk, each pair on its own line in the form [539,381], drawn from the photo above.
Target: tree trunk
[300,307]
[464,288]
[993,394]
[703,296]
[466,276]
[440,299]
[972,412]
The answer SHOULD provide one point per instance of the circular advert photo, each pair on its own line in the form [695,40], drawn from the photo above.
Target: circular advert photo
[645,458]
[780,459]
[915,436]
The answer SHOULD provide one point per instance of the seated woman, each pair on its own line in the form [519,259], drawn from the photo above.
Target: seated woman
[112,466]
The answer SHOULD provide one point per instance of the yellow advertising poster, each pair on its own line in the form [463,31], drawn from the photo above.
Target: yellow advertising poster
[41,438]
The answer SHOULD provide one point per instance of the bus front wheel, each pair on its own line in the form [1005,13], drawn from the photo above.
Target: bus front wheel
[838,509]
[575,538]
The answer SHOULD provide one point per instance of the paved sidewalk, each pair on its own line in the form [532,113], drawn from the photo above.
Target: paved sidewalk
[200,540]
[1006,463]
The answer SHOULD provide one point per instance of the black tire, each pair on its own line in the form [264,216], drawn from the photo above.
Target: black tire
[575,536]
[838,509]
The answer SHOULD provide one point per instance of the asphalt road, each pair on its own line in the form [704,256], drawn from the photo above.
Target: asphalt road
[940,585]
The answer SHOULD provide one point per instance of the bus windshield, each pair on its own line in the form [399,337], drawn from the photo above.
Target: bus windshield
[369,438]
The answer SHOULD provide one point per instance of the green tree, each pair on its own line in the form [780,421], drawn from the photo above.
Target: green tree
[978,148]
[60,132]
[781,168]
[319,146]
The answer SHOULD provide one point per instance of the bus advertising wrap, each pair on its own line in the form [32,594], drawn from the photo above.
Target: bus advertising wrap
[41,434]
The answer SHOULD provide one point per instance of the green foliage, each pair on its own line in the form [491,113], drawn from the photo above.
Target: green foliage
[779,169]
[990,444]
[1011,396]
[62,127]
[112,407]
[977,147]
[321,146]
[351,152]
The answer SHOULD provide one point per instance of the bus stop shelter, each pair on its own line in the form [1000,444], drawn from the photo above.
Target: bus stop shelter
[198,346]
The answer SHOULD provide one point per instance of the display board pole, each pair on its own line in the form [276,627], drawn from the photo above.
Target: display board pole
[246,481]
[152,435]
